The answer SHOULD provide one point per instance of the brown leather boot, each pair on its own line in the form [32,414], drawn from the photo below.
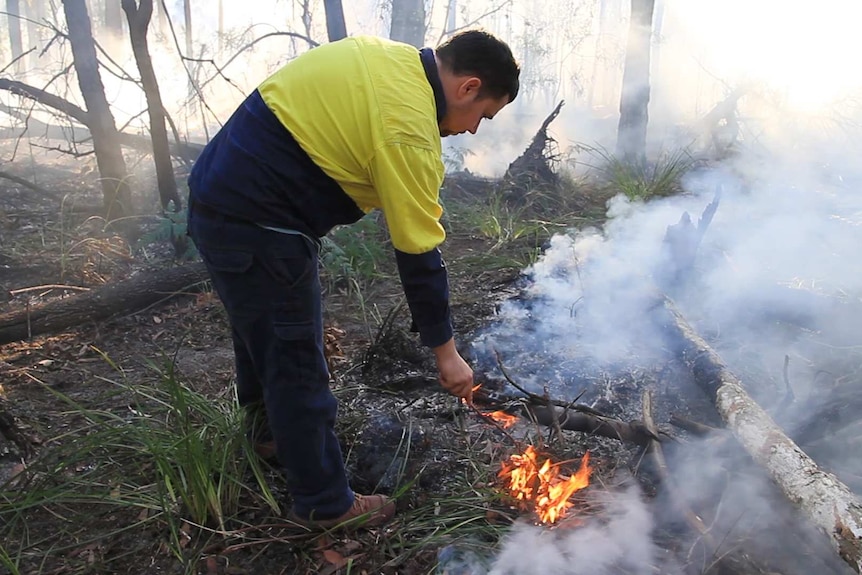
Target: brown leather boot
[367,511]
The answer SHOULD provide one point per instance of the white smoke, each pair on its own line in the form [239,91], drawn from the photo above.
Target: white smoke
[619,539]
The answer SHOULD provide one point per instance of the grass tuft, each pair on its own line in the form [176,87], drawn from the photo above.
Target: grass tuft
[659,178]
[174,456]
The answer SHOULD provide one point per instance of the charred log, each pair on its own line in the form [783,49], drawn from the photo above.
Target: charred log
[567,415]
[535,167]
[657,454]
[681,243]
[633,432]
[30,186]
[143,289]
[826,501]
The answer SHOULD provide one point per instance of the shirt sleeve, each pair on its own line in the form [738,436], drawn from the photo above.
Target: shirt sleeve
[426,286]
[407,180]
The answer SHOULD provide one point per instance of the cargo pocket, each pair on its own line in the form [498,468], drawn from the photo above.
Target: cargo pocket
[228,261]
[300,359]
[294,331]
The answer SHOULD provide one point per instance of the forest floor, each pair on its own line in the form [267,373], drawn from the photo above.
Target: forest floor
[67,509]
[123,452]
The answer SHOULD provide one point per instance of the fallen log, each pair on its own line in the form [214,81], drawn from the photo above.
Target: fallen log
[145,288]
[827,502]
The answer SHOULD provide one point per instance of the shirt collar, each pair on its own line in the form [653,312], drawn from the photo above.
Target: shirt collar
[426,55]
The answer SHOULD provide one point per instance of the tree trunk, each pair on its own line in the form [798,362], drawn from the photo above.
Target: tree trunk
[336,29]
[117,196]
[220,26]
[161,18]
[408,22]
[139,20]
[143,289]
[828,503]
[634,101]
[451,16]
[113,19]
[187,13]
[13,19]
[35,12]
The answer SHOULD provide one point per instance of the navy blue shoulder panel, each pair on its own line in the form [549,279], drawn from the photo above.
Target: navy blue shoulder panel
[429,63]
[254,169]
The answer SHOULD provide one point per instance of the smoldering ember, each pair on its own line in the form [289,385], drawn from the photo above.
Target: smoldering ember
[642,242]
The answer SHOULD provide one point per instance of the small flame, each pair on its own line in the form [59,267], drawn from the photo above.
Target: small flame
[542,486]
[507,420]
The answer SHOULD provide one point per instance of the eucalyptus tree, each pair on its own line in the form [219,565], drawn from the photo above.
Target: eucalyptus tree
[336,28]
[13,19]
[117,197]
[634,100]
[408,22]
[139,13]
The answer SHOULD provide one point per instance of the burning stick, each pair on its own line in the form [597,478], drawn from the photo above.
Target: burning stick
[499,419]
[586,420]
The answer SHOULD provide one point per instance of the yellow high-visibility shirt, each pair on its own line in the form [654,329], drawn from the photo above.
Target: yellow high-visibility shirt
[364,111]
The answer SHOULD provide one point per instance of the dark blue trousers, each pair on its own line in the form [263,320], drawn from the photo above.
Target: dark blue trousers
[269,284]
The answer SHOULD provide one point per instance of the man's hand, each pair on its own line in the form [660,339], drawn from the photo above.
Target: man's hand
[456,376]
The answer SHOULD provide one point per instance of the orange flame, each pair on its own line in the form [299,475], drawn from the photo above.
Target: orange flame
[507,420]
[542,486]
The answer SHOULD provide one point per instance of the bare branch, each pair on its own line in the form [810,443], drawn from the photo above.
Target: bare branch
[220,69]
[14,60]
[46,98]
[29,185]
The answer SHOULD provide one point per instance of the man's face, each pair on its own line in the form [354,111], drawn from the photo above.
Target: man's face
[465,109]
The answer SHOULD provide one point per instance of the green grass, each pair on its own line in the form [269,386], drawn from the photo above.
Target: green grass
[354,256]
[659,178]
[172,457]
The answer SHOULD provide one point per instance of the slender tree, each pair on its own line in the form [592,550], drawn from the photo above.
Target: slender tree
[117,196]
[34,10]
[13,18]
[336,28]
[139,15]
[634,101]
[187,14]
[220,26]
[408,22]
[113,18]
[451,16]
[161,18]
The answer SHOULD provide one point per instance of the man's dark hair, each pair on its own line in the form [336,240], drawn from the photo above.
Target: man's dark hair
[478,53]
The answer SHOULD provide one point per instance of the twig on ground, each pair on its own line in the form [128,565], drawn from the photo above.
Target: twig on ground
[654,449]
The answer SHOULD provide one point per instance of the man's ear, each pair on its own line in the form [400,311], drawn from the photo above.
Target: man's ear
[468,87]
